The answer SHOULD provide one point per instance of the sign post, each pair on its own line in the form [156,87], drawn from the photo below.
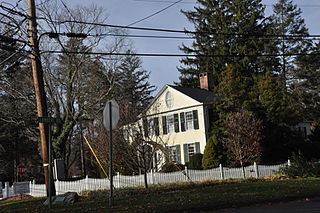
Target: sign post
[21,169]
[49,121]
[110,121]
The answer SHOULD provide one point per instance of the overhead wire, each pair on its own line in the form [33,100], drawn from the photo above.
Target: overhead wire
[185,31]
[194,2]
[181,55]
[165,37]
[173,30]
[153,14]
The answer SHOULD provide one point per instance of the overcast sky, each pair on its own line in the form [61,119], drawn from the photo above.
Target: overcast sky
[164,69]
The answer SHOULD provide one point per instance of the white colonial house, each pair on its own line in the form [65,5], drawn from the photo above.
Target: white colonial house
[179,118]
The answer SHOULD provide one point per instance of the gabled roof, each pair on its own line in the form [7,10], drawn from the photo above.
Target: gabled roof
[201,95]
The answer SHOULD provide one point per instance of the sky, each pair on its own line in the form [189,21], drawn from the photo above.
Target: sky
[163,70]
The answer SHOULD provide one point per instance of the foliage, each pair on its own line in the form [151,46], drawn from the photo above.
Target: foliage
[195,161]
[213,153]
[18,129]
[301,167]
[243,137]
[217,22]
[277,104]
[172,167]
[287,20]
[133,85]
[306,87]
[279,142]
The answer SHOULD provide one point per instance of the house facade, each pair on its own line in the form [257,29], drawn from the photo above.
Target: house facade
[179,117]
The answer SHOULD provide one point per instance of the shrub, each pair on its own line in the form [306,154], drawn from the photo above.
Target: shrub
[172,167]
[195,161]
[301,167]
[213,153]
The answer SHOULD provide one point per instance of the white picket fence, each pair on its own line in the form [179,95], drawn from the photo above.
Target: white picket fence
[121,181]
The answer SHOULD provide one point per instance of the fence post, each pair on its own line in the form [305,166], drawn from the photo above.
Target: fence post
[6,190]
[186,172]
[86,183]
[289,162]
[152,176]
[118,174]
[256,169]
[221,172]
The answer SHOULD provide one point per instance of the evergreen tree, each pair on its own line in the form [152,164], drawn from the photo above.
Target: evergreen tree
[306,87]
[276,103]
[228,29]
[133,88]
[18,135]
[213,155]
[288,21]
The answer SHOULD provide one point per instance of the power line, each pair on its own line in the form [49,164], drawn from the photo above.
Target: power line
[167,30]
[194,3]
[54,35]
[178,55]
[185,31]
[153,14]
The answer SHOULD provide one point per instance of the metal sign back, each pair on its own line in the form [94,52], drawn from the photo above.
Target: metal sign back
[115,115]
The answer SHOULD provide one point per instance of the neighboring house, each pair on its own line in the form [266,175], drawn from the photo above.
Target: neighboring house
[304,128]
[180,118]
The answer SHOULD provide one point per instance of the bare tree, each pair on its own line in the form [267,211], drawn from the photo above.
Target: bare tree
[78,84]
[243,137]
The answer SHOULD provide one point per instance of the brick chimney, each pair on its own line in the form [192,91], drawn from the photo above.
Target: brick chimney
[206,81]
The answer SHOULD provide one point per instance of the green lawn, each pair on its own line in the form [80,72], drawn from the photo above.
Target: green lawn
[181,197]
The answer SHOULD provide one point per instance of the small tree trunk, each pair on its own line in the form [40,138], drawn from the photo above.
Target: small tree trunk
[145,179]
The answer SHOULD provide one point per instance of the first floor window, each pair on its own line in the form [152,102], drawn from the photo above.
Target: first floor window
[190,149]
[174,153]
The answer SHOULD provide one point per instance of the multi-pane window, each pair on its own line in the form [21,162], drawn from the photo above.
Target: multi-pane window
[189,120]
[151,127]
[170,124]
[189,149]
[174,153]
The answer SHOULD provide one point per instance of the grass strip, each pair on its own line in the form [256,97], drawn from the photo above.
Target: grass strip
[184,197]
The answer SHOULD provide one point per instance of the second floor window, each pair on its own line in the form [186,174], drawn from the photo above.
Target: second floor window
[189,120]
[170,123]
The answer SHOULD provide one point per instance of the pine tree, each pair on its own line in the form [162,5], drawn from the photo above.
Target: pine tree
[306,88]
[133,86]
[275,101]
[225,28]
[288,21]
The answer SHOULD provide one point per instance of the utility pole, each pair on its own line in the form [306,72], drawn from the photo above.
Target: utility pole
[41,101]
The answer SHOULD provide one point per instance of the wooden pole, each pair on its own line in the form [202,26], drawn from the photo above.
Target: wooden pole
[38,83]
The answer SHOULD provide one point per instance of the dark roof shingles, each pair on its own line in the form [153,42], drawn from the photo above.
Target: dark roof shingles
[201,95]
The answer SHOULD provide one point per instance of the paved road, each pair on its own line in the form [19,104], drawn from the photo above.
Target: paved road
[302,206]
